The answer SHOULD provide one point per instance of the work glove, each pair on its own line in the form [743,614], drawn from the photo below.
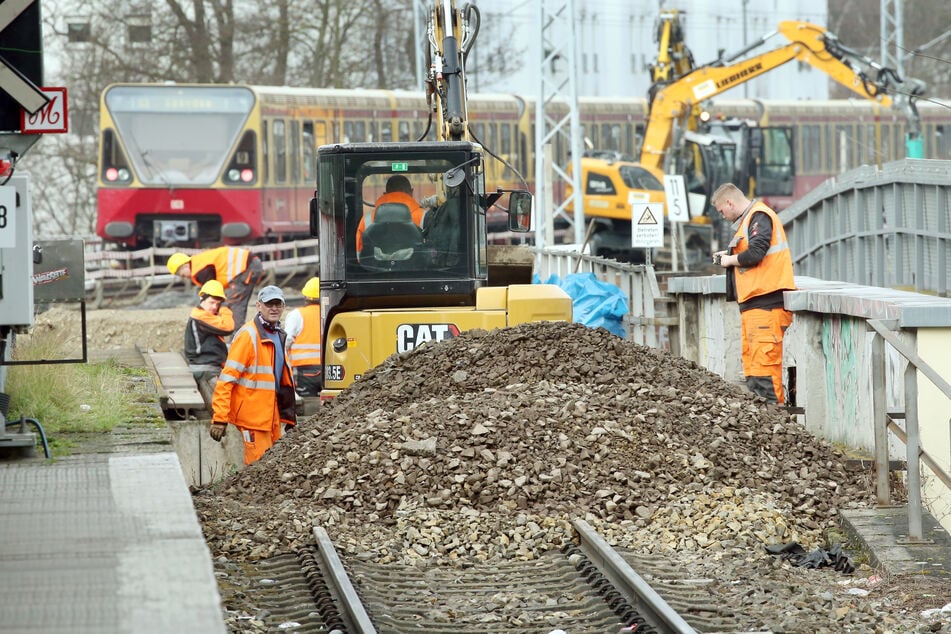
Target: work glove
[218,430]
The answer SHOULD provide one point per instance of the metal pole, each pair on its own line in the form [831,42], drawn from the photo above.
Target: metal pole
[912,452]
[878,420]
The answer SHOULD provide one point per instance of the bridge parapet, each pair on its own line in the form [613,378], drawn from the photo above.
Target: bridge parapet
[887,226]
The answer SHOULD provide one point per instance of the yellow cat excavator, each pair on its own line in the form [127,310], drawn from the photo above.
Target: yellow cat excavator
[402,268]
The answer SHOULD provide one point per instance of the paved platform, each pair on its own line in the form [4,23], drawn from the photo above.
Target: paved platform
[883,534]
[103,544]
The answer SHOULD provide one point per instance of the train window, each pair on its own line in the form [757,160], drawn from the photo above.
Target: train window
[942,143]
[112,157]
[639,131]
[506,134]
[279,132]
[335,129]
[373,132]
[810,149]
[493,136]
[354,131]
[610,137]
[404,131]
[479,131]
[844,155]
[295,151]
[307,166]
[386,131]
[627,139]
[265,152]
[828,150]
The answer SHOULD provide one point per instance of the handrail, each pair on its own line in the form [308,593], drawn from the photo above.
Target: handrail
[910,437]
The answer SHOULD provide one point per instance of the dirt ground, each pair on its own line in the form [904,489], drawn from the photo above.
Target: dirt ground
[157,324]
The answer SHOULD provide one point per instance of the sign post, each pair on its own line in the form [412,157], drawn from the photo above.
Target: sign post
[677,212]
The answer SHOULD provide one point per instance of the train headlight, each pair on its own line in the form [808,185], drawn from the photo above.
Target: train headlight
[120,174]
[234,174]
[247,175]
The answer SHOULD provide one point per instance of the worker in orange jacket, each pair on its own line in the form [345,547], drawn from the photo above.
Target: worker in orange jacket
[304,334]
[255,390]
[238,270]
[758,271]
[398,190]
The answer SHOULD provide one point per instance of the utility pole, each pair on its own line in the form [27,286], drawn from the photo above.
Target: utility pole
[892,38]
[557,119]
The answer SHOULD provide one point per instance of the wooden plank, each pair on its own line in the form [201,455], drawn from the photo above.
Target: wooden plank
[175,382]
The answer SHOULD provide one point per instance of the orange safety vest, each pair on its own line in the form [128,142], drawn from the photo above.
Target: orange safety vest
[415,211]
[775,271]
[229,263]
[306,347]
[246,395]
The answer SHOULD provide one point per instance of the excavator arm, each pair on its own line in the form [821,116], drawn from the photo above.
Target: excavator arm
[679,103]
[451,34]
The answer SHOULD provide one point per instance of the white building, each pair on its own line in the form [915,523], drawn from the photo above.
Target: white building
[616,43]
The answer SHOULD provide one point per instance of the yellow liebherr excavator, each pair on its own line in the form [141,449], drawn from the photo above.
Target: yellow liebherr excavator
[676,142]
[412,282]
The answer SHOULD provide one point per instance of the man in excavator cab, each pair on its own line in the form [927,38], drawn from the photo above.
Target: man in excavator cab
[396,205]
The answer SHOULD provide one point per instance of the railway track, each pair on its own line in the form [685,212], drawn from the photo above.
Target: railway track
[587,587]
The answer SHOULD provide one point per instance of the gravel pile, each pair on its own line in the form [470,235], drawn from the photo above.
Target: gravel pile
[486,445]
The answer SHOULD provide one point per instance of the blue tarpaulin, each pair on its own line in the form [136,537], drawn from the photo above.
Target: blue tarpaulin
[594,303]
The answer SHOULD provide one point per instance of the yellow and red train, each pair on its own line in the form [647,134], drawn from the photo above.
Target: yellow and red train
[190,165]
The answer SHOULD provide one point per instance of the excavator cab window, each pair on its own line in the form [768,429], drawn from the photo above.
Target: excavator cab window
[395,213]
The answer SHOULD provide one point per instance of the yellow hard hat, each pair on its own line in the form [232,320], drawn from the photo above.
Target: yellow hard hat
[213,288]
[175,261]
[312,288]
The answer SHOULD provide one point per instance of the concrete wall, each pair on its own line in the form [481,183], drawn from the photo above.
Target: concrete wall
[933,347]
[203,460]
[830,346]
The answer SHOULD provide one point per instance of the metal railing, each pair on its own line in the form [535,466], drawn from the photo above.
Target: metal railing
[638,282]
[887,226]
[110,273]
[885,421]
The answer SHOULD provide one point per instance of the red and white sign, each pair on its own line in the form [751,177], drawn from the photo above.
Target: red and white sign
[52,118]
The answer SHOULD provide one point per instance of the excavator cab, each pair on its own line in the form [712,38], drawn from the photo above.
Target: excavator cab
[426,249]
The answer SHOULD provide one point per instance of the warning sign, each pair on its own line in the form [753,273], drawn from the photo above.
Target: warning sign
[647,225]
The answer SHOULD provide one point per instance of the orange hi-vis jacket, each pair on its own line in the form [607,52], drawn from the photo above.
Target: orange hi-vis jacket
[306,347]
[229,263]
[415,211]
[246,394]
[775,270]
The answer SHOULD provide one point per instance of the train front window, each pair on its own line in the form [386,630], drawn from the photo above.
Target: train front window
[178,135]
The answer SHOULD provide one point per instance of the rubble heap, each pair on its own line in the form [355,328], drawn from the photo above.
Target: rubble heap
[487,444]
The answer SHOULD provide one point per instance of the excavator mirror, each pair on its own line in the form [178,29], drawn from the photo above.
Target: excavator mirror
[520,211]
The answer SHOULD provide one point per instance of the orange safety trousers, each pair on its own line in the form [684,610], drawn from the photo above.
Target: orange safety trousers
[257,441]
[762,345]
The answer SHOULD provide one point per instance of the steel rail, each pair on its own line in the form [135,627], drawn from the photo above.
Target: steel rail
[638,592]
[355,613]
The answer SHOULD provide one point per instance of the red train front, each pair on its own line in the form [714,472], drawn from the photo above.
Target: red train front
[182,166]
